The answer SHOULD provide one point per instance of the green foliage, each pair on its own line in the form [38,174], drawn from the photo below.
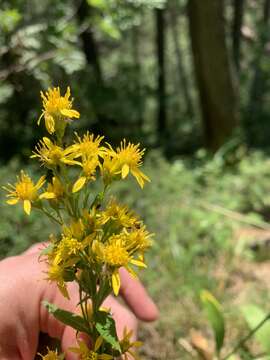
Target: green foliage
[254,315]
[105,326]
[75,321]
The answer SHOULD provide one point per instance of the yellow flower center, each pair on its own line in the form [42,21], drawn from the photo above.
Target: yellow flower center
[54,154]
[115,255]
[90,356]
[89,166]
[53,102]
[26,189]
[130,154]
[88,146]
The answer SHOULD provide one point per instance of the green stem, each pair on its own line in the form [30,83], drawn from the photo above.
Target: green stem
[50,216]
[246,338]
[84,308]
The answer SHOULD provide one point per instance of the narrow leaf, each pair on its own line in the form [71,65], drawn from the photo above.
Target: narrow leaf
[215,317]
[75,321]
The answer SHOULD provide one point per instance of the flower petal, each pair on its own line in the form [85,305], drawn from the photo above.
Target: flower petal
[12,201]
[125,171]
[70,113]
[49,123]
[47,195]
[98,343]
[27,206]
[79,184]
[40,182]
[41,116]
[138,263]
[116,282]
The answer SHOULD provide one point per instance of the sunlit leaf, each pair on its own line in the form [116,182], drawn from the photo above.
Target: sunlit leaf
[215,317]
[254,315]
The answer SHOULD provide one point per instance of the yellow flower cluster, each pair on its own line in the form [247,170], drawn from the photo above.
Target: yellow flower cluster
[109,238]
[86,354]
[97,236]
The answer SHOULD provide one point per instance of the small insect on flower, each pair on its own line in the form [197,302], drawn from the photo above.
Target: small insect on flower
[24,190]
[56,109]
[86,354]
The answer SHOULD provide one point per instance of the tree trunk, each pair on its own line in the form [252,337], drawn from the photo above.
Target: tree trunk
[213,73]
[182,78]
[161,90]
[257,107]
[238,14]
[89,44]
[137,65]
[257,86]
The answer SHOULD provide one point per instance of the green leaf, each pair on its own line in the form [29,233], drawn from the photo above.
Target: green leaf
[254,315]
[100,4]
[215,317]
[105,326]
[109,28]
[75,321]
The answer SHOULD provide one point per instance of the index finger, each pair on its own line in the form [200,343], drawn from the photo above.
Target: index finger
[137,298]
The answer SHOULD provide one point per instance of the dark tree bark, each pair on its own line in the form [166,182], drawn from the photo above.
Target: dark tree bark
[89,44]
[182,78]
[213,73]
[258,83]
[137,64]
[161,88]
[266,11]
[238,15]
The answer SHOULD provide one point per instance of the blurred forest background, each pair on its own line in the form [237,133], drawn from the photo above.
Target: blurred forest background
[190,81]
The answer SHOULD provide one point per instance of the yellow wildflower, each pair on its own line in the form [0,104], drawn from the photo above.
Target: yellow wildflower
[89,146]
[51,154]
[56,109]
[115,254]
[109,168]
[89,166]
[76,229]
[67,250]
[118,213]
[55,190]
[127,158]
[89,149]
[86,354]
[52,355]
[56,273]
[138,239]
[24,190]
[127,344]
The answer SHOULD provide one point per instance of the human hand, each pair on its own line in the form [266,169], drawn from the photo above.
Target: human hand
[23,317]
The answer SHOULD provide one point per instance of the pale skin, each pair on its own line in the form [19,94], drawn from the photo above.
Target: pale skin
[22,316]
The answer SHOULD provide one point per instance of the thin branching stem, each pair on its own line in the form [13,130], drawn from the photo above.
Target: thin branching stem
[240,343]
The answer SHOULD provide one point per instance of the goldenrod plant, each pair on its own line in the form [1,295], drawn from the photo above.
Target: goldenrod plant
[98,235]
